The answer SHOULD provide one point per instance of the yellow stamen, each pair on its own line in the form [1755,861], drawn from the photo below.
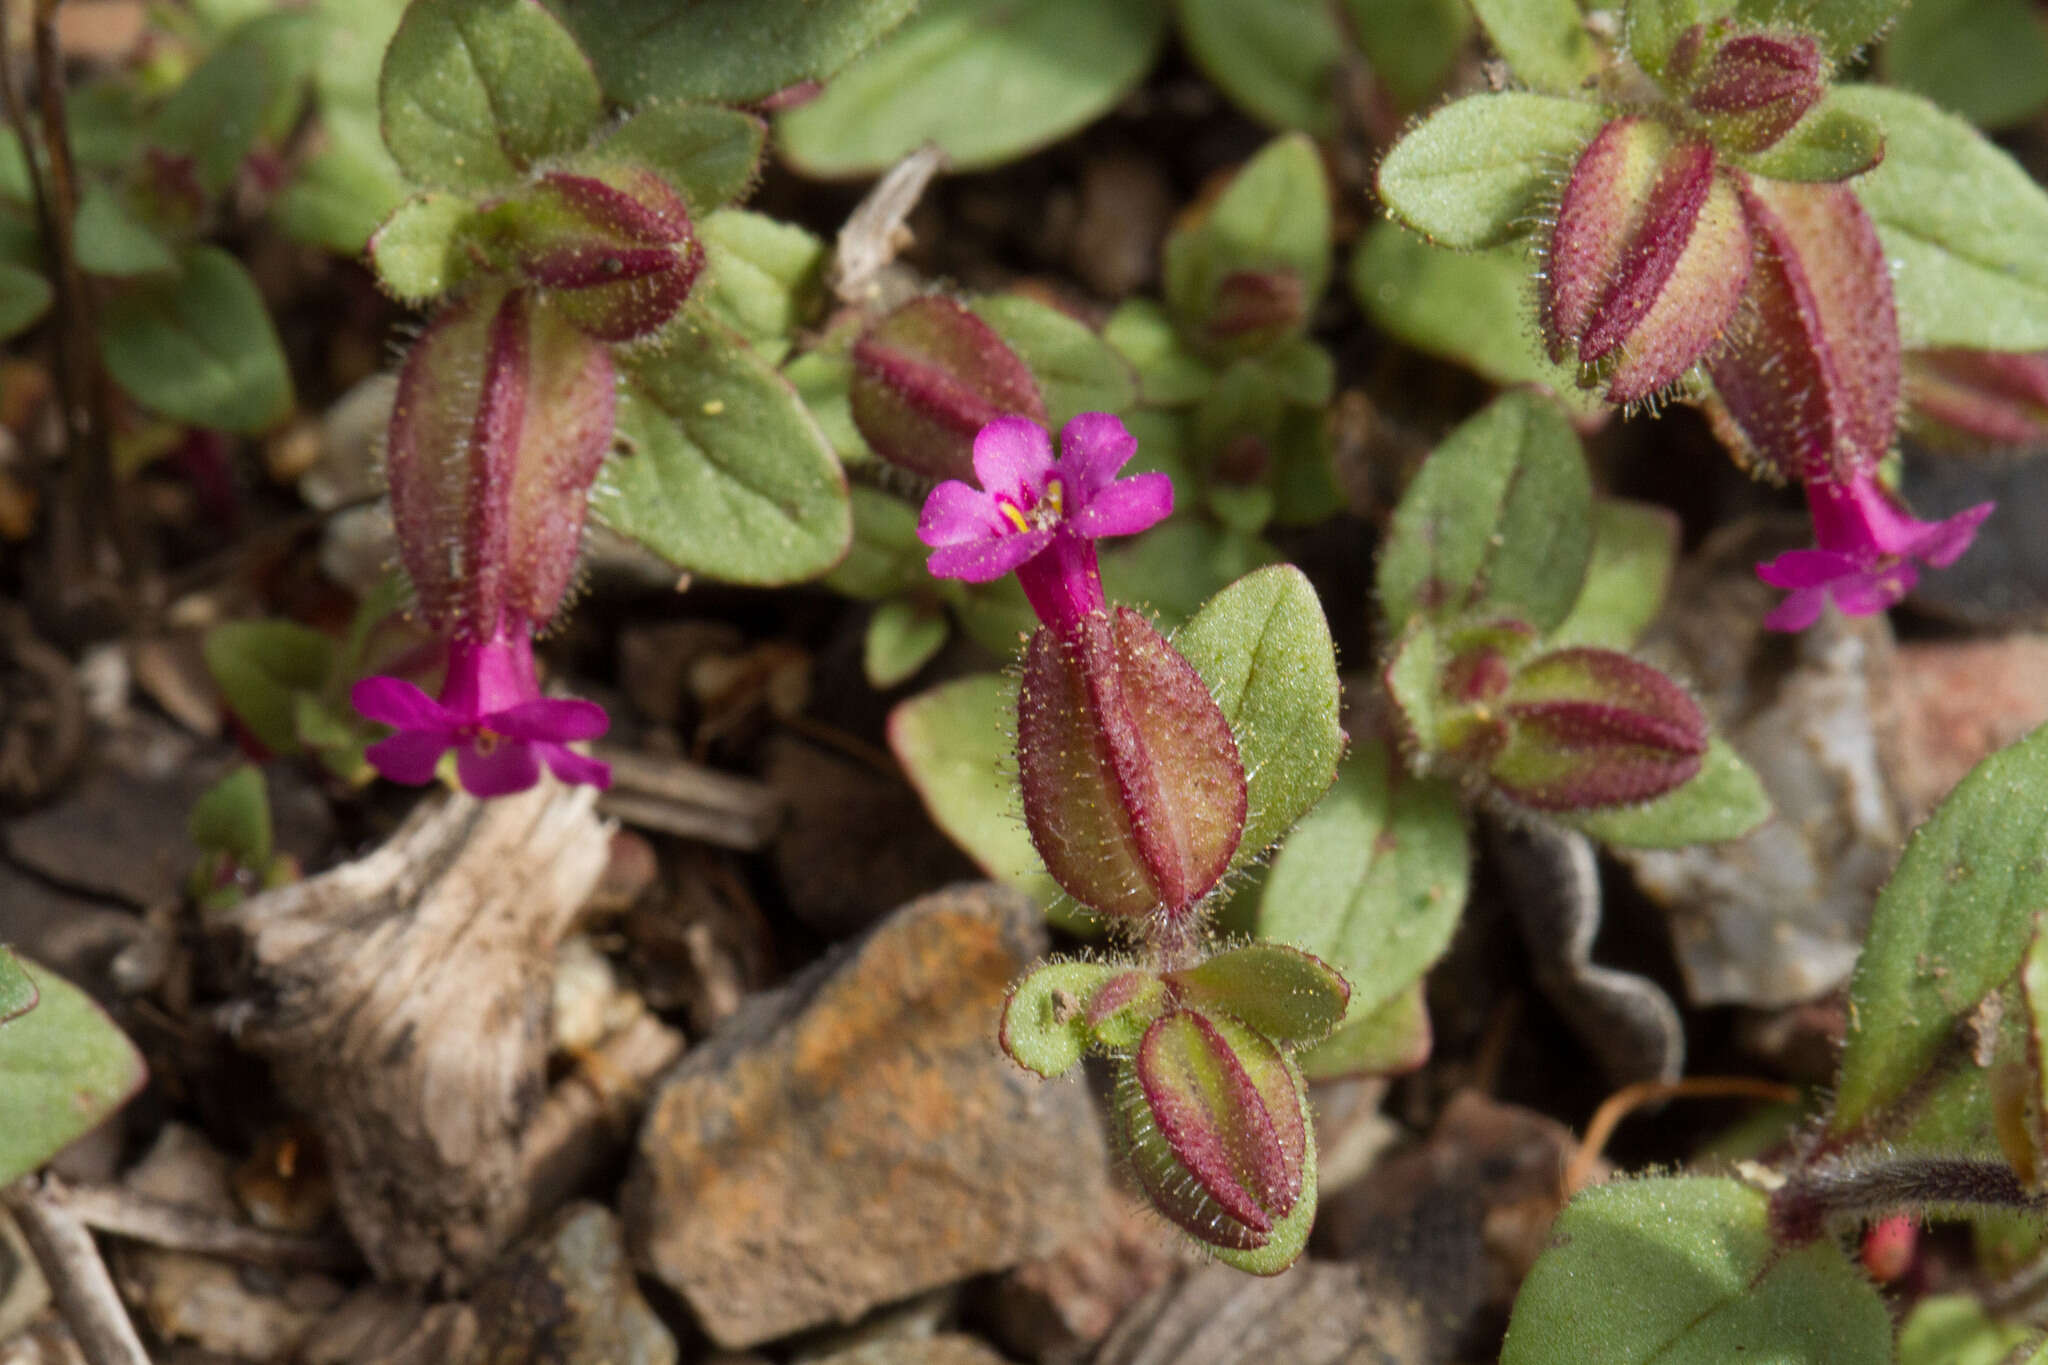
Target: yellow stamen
[485,741]
[1015,516]
[1055,498]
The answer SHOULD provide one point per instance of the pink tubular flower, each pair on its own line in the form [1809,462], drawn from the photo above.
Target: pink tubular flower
[491,713]
[1867,543]
[1042,516]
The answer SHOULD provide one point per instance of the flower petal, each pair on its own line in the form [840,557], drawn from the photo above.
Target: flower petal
[1125,507]
[984,561]
[1012,457]
[409,756]
[1798,611]
[394,701]
[1093,447]
[574,768]
[1806,569]
[551,719]
[1875,590]
[1941,543]
[507,767]
[955,514]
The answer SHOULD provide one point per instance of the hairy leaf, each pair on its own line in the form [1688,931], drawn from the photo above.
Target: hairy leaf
[1480,171]
[64,1066]
[987,80]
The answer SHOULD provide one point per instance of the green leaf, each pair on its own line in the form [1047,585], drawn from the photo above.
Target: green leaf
[24,297]
[18,992]
[233,817]
[475,91]
[1654,26]
[1169,374]
[1411,44]
[1392,1039]
[63,1068]
[1635,547]
[1372,880]
[1841,26]
[710,155]
[1276,60]
[824,378]
[1498,520]
[1724,800]
[109,240]
[1954,1329]
[1950,928]
[1478,172]
[764,278]
[350,185]
[1830,143]
[249,91]
[1077,371]
[199,347]
[1545,42]
[957,745]
[1045,1024]
[1685,1271]
[260,665]
[1264,650]
[901,638]
[1962,227]
[886,557]
[729,51]
[1275,215]
[1273,989]
[1173,569]
[721,470]
[1476,308]
[416,251]
[974,76]
[1986,60]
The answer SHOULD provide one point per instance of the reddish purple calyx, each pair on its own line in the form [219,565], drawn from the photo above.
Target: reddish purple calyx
[1865,547]
[1039,516]
[1979,398]
[1756,86]
[491,713]
[1648,261]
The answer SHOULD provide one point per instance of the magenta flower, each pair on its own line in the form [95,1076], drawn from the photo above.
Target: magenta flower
[1867,543]
[1041,516]
[491,713]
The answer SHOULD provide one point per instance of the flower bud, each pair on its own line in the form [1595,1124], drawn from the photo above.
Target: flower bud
[927,378]
[1648,260]
[1753,87]
[1212,1117]
[1252,309]
[1972,400]
[1590,728]
[1809,385]
[612,250]
[503,415]
[1133,789]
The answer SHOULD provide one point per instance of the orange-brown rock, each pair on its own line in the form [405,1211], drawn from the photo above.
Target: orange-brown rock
[856,1136]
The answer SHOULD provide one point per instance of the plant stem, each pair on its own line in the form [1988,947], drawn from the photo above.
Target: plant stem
[78,1277]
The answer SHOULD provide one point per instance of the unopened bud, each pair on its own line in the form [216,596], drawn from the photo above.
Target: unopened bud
[1591,728]
[1978,399]
[1133,789]
[1753,87]
[927,378]
[1212,1116]
[613,251]
[1252,309]
[1648,260]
